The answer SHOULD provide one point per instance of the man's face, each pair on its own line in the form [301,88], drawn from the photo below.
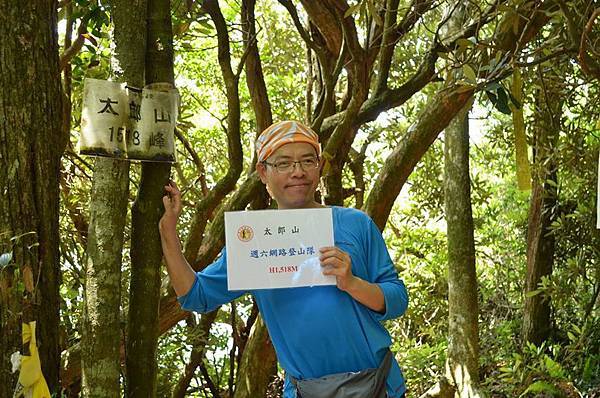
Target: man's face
[294,189]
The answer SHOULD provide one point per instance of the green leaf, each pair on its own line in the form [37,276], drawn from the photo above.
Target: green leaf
[541,386]
[205,27]
[504,8]
[492,97]
[464,43]
[352,10]
[373,12]
[588,370]
[445,56]
[469,73]
[493,86]
[533,293]
[5,259]
[554,368]
[502,104]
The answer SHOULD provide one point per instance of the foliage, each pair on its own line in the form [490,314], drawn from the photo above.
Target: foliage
[415,231]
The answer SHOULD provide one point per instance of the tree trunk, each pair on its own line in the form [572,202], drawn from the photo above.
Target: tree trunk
[32,140]
[101,334]
[146,252]
[101,337]
[542,210]
[463,341]
[197,355]
[435,117]
[259,345]
[437,113]
[259,361]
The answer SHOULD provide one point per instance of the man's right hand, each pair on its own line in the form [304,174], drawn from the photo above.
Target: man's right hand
[181,274]
[172,204]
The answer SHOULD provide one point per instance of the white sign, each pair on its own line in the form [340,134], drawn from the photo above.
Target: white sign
[124,122]
[277,248]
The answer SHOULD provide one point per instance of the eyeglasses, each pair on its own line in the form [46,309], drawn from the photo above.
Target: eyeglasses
[285,166]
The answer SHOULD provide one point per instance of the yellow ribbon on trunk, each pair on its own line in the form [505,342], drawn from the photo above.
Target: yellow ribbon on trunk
[31,377]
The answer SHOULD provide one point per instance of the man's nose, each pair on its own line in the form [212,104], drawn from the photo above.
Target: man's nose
[297,169]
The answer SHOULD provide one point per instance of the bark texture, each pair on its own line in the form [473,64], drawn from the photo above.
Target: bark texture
[543,208]
[101,337]
[101,331]
[258,364]
[32,139]
[462,365]
[398,166]
[462,360]
[146,252]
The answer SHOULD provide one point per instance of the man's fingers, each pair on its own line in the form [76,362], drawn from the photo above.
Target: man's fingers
[331,261]
[327,249]
[172,191]
[335,263]
[333,254]
[331,270]
[171,203]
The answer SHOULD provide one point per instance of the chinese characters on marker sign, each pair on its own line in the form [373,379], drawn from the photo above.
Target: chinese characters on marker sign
[281,230]
[124,122]
[292,251]
[277,248]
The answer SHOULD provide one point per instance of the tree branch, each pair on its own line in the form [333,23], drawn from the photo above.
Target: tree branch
[582,57]
[436,116]
[393,32]
[201,332]
[321,15]
[76,46]
[289,6]
[254,73]
[196,159]
[207,205]
[211,386]
[389,98]
[398,166]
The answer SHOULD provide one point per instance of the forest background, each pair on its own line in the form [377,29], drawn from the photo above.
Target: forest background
[467,130]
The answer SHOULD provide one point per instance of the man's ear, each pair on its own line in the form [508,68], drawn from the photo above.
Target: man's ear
[261,169]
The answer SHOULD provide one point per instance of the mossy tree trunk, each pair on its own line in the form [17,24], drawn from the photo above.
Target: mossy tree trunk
[32,139]
[258,364]
[146,252]
[462,366]
[462,360]
[543,208]
[101,337]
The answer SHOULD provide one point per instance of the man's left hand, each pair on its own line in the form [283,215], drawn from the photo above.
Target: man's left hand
[338,263]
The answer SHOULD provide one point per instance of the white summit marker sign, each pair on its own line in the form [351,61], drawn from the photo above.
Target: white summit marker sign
[269,249]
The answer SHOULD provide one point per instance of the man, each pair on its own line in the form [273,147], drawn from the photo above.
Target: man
[316,331]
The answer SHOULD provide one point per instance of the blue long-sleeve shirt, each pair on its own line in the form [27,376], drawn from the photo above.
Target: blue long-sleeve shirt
[322,330]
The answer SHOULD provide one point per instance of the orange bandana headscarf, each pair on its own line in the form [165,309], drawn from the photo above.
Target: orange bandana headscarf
[286,132]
